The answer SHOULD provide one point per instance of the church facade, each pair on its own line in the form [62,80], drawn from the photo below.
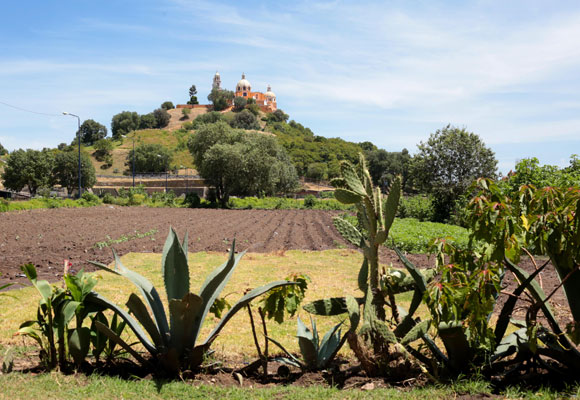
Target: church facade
[266,101]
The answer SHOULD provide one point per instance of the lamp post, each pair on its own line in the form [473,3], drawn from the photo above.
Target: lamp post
[134,159]
[78,140]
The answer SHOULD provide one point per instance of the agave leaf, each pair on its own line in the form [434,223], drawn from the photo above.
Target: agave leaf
[329,346]
[183,313]
[538,294]
[392,203]
[417,332]
[295,362]
[134,325]
[289,361]
[242,303]
[147,290]
[363,276]
[185,243]
[139,310]
[506,311]
[105,330]
[456,344]
[174,268]
[419,278]
[510,344]
[346,196]
[347,231]
[307,344]
[213,285]
[408,321]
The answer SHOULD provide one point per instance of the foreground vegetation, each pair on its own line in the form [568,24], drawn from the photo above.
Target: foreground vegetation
[58,386]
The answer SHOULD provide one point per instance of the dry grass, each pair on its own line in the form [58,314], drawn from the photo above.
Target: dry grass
[332,273]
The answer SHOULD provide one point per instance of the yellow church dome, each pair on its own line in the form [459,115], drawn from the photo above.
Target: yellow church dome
[269,94]
[243,85]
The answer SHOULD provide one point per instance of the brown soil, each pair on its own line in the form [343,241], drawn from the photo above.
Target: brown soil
[47,237]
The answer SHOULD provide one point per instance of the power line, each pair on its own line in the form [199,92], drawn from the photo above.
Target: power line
[30,111]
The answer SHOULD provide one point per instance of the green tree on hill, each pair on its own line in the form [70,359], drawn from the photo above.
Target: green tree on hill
[152,157]
[239,104]
[193,95]
[3,150]
[162,118]
[147,121]
[123,123]
[91,131]
[28,168]
[448,163]
[245,120]
[241,163]
[66,170]
[167,105]
[220,99]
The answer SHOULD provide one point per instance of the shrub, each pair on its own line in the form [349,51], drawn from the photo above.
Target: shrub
[90,198]
[162,118]
[419,207]
[192,200]
[309,201]
[108,198]
[245,120]
[167,105]
[185,113]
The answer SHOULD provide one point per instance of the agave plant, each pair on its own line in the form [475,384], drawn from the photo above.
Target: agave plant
[173,343]
[316,354]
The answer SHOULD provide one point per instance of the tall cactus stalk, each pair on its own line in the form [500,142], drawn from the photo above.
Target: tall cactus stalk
[356,187]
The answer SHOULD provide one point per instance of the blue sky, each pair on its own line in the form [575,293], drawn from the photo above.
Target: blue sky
[387,72]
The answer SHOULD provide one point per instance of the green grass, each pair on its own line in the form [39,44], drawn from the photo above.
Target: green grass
[42,203]
[280,203]
[57,386]
[413,236]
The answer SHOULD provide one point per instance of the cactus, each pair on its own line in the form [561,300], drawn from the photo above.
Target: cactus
[356,187]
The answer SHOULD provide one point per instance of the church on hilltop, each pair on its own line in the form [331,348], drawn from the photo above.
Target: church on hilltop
[266,101]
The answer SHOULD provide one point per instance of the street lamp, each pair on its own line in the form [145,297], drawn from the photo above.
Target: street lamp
[78,140]
[133,158]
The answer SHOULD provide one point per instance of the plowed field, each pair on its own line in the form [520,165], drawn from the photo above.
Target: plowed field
[47,237]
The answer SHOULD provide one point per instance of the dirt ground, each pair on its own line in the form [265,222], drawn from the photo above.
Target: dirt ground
[47,237]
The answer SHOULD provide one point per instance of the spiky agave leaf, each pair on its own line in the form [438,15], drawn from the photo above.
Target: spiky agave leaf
[174,267]
[308,343]
[213,285]
[147,290]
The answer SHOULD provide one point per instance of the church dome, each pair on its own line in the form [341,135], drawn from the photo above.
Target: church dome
[269,94]
[243,85]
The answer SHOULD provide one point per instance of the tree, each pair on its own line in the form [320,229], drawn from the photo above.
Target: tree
[147,121]
[241,163]
[193,95]
[91,131]
[220,99]
[123,123]
[239,104]
[245,120]
[448,163]
[253,108]
[3,150]
[384,166]
[162,118]
[28,168]
[167,105]
[66,170]
[103,149]
[150,158]
[278,116]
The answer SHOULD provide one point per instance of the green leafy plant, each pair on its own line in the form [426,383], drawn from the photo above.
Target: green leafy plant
[57,308]
[173,343]
[278,302]
[316,354]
